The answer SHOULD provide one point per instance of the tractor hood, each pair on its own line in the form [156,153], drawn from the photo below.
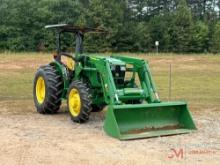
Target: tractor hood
[112,61]
[115,61]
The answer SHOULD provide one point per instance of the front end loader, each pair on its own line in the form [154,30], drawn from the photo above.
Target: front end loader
[123,84]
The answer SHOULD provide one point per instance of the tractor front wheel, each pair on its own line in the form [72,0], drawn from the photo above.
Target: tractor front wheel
[79,101]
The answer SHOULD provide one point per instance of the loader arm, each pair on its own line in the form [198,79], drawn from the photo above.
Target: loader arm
[107,82]
[145,76]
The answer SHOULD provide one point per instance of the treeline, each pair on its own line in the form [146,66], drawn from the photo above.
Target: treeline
[133,25]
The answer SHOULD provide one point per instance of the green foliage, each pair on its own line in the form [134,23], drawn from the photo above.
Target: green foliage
[200,34]
[182,28]
[137,38]
[215,47]
[105,14]
[159,30]
[133,25]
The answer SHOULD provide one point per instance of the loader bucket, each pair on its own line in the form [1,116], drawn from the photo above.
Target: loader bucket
[132,121]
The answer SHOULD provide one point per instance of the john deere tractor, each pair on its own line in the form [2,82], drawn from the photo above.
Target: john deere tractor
[123,84]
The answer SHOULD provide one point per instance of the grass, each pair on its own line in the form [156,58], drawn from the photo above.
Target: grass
[195,78]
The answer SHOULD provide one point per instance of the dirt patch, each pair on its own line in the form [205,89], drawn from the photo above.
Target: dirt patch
[23,62]
[10,66]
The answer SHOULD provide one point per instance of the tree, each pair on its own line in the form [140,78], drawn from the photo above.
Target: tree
[103,14]
[215,46]
[133,37]
[159,30]
[182,28]
[200,34]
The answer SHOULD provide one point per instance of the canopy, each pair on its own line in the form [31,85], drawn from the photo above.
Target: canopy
[74,29]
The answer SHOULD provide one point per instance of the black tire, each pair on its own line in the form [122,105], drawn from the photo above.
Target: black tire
[53,90]
[97,108]
[85,101]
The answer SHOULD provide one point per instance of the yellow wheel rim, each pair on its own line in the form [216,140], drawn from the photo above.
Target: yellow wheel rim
[40,90]
[74,102]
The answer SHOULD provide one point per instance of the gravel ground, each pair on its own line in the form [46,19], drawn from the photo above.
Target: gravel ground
[31,138]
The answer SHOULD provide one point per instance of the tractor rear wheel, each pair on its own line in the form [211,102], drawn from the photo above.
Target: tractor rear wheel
[79,101]
[47,91]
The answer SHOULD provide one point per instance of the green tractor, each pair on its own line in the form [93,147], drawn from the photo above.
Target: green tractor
[123,84]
